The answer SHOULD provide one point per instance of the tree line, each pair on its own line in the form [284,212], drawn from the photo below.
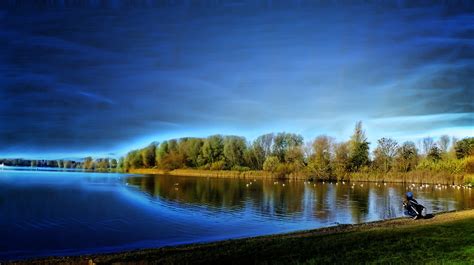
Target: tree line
[287,153]
[88,163]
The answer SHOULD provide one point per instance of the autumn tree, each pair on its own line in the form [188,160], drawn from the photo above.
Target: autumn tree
[320,160]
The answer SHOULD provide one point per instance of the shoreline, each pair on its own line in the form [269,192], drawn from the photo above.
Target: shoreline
[302,245]
[418,177]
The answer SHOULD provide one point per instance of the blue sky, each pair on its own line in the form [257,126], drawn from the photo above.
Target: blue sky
[102,79]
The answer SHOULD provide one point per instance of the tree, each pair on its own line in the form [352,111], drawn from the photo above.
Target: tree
[283,142]
[427,144]
[358,148]
[443,143]
[260,149]
[406,157]
[271,163]
[464,147]
[385,153]
[192,151]
[148,155]
[161,152]
[265,142]
[133,160]
[320,160]
[341,158]
[434,153]
[234,148]
[67,164]
[213,149]
[113,163]
[88,163]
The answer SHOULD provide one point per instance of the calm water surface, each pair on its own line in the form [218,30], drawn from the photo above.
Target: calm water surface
[45,213]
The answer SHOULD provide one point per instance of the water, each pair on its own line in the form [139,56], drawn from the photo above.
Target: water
[45,213]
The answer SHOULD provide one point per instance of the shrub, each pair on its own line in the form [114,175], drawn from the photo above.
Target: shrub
[219,165]
[240,168]
[271,163]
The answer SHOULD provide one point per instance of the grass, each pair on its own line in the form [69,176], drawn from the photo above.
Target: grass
[445,239]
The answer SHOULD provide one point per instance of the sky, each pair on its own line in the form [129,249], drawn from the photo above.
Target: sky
[102,77]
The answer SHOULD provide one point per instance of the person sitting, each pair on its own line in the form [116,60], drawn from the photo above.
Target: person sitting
[412,207]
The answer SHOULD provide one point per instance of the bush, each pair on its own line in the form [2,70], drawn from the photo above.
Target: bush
[283,170]
[271,163]
[469,164]
[240,168]
[219,165]
[448,165]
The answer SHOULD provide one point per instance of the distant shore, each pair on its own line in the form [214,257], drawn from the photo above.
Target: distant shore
[448,237]
[409,177]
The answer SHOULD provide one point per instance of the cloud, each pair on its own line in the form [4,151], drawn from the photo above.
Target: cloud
[101,80]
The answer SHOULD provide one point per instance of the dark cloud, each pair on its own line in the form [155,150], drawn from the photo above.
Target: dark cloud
[100,77]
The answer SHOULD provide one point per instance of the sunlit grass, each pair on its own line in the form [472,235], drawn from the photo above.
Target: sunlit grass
[445,239]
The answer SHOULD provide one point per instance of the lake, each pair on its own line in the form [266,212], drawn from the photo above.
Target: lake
[45,213]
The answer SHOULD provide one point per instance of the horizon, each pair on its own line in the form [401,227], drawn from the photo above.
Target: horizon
[125,77]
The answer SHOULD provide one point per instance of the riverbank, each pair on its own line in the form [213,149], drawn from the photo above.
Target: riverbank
[425,177]
[446,238]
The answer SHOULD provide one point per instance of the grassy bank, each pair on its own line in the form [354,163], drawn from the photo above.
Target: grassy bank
[446,238]
[426,177]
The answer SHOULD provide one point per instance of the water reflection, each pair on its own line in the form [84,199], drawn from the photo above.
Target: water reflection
[46,213]
[324,203]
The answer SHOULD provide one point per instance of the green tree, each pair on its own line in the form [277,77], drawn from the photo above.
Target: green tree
[407,157]
[234,148]
[213,149]
[320,161]
[358,148]
[434,153]
[260,149]
[192,151]
[148,155]
[341,159]
[114,163]
[133,160]
[464,147]
[283,142]
[271,163]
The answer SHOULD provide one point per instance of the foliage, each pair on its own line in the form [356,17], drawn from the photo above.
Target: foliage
[320,162]
[384,154]
[271,163]
[464,147]
[434,153]
[406,157]
[283,154]
[358,149]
